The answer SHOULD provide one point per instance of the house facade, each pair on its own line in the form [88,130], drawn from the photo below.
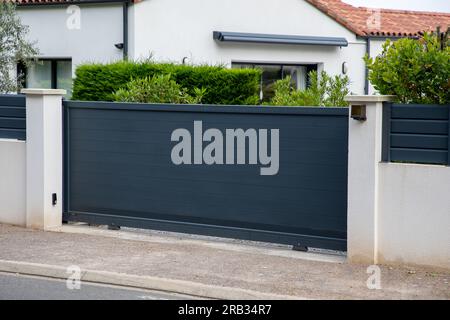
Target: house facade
[286,37]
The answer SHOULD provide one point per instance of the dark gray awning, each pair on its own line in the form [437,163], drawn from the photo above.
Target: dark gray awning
[279,39]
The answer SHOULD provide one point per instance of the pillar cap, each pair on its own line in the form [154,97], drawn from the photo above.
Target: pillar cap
[369,98]
[43,92]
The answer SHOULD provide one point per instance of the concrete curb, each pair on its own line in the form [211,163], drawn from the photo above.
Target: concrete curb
[143,282]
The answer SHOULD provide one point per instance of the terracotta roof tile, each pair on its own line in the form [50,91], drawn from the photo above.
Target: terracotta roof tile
[43,2]
[382,22]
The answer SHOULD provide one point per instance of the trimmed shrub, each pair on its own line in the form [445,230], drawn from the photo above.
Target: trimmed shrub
[99,82]
[157,89]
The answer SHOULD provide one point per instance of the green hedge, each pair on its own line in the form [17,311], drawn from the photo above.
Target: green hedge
[98,82]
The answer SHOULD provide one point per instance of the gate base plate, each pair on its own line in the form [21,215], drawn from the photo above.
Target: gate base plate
[297,247]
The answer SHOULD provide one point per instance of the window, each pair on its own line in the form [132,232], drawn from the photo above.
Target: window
[49,73]
[273,72]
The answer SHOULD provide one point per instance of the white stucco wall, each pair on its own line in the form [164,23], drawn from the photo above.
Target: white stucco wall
[173,29]
[398,213]
[12,182]
[101,27]
[376,47]
[414,214]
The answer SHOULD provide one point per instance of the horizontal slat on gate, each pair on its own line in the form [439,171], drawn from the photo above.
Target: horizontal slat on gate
[12,100]
[418,111]
[313,111]
[19,134]
[419,141]
[417,133]
[12,123]
[419,126]
[12,117]
[419,155]
[17,112]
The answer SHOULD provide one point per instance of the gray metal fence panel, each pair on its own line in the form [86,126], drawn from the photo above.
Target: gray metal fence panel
[12,116]
[416,133]
[119,171]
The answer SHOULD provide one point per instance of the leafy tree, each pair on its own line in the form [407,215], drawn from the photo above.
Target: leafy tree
[415,70]
[14,48]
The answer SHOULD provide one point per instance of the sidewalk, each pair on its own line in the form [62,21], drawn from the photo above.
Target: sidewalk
[206,267]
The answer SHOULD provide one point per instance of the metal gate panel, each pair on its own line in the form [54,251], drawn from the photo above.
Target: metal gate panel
[118,170]
[12,116]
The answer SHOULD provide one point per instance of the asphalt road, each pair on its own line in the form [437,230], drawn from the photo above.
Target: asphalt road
[20,287]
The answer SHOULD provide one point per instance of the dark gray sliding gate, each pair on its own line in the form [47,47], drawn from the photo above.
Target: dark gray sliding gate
[12,116]
[118,170]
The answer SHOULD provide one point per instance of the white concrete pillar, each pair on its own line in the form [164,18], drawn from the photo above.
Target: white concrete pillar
[364,154]
[44,152]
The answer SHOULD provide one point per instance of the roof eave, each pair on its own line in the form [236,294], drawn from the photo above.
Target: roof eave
[349,26]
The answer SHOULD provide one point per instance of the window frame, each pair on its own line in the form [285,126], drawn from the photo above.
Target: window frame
[310,66]
[21,68]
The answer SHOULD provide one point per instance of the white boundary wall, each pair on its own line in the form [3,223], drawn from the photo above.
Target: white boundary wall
[414,214]
[31,171]
[397,213]
[12,182]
